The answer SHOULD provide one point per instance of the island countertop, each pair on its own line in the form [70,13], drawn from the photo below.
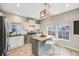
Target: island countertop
[40,38]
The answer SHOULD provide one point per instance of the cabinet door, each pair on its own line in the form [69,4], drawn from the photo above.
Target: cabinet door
[37,26]
[12,43]
[15,42]
[35,46]
[20,41]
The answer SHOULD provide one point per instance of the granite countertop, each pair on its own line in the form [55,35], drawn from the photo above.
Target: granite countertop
[40,38]
[15,35]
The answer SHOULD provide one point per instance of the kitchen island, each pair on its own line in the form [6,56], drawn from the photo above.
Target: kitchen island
[38,45]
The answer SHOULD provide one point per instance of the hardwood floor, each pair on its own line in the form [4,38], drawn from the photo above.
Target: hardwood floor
[26,50]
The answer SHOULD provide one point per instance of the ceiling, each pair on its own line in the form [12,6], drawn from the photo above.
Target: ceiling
[33,9]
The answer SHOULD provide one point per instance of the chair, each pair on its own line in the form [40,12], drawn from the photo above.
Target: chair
[50,46]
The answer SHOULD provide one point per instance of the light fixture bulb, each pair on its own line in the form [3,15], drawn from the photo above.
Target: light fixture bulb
[66,5]
[18,4]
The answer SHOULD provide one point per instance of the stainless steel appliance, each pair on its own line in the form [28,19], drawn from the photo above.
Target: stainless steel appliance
[3,48]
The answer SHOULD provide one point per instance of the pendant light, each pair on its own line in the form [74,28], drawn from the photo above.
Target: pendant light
[45,13]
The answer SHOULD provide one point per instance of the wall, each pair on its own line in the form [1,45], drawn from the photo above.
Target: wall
[67,18]
[43,25]
[14,18]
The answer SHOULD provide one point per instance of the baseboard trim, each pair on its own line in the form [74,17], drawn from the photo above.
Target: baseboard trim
[68,47]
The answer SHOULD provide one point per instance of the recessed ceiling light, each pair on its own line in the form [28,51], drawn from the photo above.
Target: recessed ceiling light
[18,4]
[66,5]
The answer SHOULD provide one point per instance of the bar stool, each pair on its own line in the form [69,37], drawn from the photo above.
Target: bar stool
[50,46]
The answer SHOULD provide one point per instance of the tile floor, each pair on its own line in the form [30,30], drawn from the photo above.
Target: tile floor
[26,50]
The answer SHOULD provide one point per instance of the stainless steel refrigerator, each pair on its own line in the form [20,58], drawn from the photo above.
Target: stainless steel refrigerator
[3,46]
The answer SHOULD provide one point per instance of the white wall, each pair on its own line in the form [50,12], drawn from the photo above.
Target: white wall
[43,25]
[16,19]
[67,18]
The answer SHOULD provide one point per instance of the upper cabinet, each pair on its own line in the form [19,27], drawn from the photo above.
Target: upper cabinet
[33,25]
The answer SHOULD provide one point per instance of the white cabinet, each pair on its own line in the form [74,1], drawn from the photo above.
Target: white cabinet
[15,42]
[31,25]
[37,26]
[31,22]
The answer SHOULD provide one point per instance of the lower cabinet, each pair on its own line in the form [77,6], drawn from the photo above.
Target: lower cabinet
[35,46]
[27,38]
[15,42]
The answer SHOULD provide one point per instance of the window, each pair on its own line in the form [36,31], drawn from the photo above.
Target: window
[59,31]
[16,27]
[63,31]
[52,30]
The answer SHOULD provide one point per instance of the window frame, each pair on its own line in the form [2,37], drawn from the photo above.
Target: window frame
[56,32]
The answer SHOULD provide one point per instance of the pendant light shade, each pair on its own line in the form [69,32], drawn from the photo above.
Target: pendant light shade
[45,13]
